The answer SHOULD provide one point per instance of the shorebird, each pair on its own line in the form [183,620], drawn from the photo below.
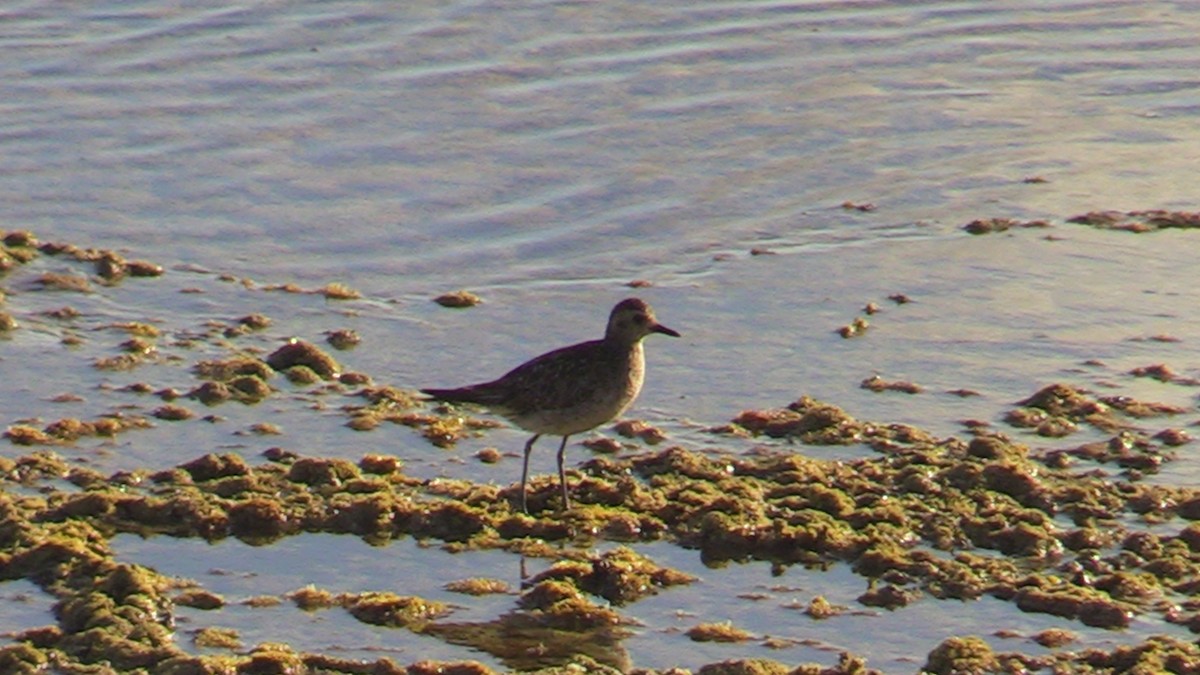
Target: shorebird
[572,389]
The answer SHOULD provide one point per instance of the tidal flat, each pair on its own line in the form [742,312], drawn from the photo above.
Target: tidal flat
[210,474]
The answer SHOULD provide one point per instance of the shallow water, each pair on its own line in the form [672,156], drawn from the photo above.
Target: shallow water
[545,154]
[406,148]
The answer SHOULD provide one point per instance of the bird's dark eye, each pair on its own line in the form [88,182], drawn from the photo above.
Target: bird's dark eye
[640,318]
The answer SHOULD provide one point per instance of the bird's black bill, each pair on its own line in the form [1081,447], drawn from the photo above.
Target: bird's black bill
[659,328]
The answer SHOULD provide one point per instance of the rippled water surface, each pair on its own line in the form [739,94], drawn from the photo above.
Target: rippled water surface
[405,146]
[544,154]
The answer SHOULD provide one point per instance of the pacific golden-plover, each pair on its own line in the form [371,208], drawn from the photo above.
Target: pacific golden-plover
[573,389]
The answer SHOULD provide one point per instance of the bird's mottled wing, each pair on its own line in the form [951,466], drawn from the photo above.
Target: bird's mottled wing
[560,379]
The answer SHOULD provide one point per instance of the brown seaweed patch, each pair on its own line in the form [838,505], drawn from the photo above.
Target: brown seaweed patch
[602,444]
[718,632]
[1173,437]
[212,467]
[343,338]
[211,393]
[443,668]
[69,429]
[338,291]
[228,369]
[819,608]
[806,419]
[649,434]
[301,353]
[560,605]
[260,520]
[458,299]
[20,239]
[384,404]
[488,455]
[317,472]
[478,586]
[301,375]
[174,413]
[961,655]
[217,638]
[247,389]
[855,328]
[120,362]
[1138,221]
[23,434]
[382,465]
[889,596]
[620,576]
[310,598]
[1053,638]
[255,321]
[769,667]
[878,384]
[995,225]
[1135,408]
[59,281]
[199,599]
[445,430]
[1163,373]
[1055,409]
[389,609]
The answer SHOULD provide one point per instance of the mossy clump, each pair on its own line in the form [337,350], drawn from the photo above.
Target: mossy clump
[213,466]
[199,599]
[389,609]
[224,370]
[255,321]
[560,605]
[301,375]
[217,638]
[443,431]
[478,586]
[718,632]
[310,598]
[650,435]
[260,520]
[1139,222]
[69,429]
[458,299]
[173,413]
[321,472]
[746,667]
[961,655]
[820,608]
[1055,411]
[56,281]
[620,576]
[302,353]
[996,225]
[806,420]
[1054,638]
[448,668]
[343,339]
[338,291]
[24,434]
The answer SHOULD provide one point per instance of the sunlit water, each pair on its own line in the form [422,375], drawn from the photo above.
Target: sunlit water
[544,154]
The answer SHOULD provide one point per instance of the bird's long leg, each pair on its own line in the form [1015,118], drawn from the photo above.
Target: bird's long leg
[525,472]
[562,475]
